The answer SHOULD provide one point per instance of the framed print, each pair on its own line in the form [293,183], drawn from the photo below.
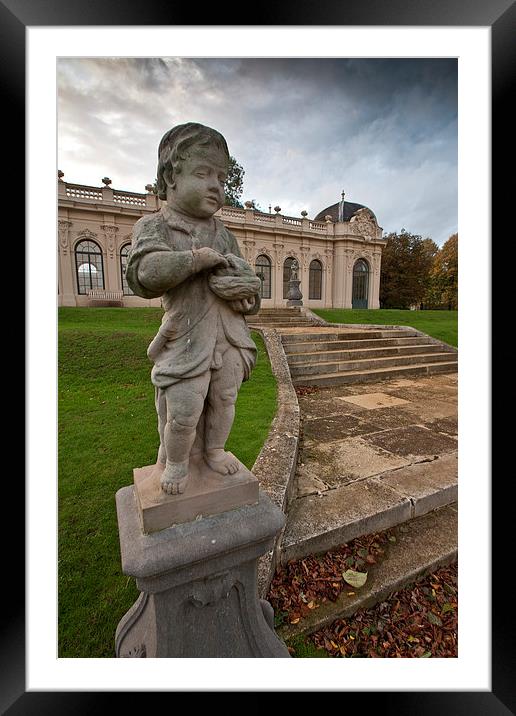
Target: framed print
[27,27]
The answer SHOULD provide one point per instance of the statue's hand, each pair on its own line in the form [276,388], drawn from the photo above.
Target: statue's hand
[207,258]
[242,305]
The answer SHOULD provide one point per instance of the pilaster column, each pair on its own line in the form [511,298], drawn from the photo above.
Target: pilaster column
[113,281]
[248,250]
[327,278]
[66,264]
[305,265]
[348,293]
[375,296]
[277,274]
[339,277]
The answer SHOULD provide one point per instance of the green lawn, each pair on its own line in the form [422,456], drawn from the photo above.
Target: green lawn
[439,324]
[107,426]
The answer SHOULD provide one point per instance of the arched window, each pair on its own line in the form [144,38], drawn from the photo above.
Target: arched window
[124,252]
[89,266]
[315,280]
[263,270]
[286,274]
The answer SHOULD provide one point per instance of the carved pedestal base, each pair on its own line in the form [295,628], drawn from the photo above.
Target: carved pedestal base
[198,584]
[294,295]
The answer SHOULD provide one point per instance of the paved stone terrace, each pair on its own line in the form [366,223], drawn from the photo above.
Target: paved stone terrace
[393,437]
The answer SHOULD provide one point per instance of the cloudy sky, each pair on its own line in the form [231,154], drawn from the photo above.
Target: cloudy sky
[382,130]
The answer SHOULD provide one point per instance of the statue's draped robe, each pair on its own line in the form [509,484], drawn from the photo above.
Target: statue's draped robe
[194,315]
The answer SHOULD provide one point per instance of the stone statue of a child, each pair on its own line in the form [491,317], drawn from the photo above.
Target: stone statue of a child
[203,350]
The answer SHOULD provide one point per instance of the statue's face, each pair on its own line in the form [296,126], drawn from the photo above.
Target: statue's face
[199,187]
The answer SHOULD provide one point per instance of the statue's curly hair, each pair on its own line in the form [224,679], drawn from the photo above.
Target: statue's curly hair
[173,146]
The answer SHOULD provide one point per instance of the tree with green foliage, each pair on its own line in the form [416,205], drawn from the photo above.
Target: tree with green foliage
[234,185]
[407,260]
[444,276]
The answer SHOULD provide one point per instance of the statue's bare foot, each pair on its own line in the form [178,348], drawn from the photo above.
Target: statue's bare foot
[221,461]
[174,477]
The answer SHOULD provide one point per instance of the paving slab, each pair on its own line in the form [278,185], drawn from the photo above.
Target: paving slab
[334,426]
[326,405]
[428,485]
[431,407]
[341,462]
[388,418]
[448,426]
[309,482]
[372,401]
[413,440]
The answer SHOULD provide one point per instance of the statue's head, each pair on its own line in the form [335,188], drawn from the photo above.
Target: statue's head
[192,169]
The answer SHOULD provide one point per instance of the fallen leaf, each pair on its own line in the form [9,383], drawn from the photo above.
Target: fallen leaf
[434,619]
[356,579]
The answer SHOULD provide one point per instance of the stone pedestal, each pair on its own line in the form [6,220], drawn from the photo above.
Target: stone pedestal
[198,583]
[294,295]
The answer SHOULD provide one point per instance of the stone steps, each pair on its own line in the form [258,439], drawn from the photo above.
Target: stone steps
[317,523]
[294,347]
[295,310]
[318,369]
[262,320]
[324,335]
[367,376]
[353,354]
[265,324]
[279,318]
[423,544]
[331,356]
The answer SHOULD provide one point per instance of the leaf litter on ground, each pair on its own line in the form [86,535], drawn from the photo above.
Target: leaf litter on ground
[420,621]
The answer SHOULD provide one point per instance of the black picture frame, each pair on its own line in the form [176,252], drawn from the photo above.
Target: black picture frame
[500,16]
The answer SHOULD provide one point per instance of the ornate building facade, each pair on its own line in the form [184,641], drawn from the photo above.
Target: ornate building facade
[338,253]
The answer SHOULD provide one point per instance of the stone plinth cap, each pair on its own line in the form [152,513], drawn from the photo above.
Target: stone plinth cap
[182,545]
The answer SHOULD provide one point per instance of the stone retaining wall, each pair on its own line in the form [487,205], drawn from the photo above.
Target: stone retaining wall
[275,466]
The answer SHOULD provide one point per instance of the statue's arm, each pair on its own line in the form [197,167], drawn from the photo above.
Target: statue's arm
[158,271]
[247,306]
[161,270]
[154,267]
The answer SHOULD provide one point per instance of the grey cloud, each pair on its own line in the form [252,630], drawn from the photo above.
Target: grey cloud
[304,129]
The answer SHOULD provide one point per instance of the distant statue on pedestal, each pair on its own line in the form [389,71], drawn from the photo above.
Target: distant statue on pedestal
[294,295]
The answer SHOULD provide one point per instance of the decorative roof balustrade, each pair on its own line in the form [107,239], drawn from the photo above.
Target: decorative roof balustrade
[80,191]
[362,224]
[126,197]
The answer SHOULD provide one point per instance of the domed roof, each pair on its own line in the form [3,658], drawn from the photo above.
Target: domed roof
[350,209]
